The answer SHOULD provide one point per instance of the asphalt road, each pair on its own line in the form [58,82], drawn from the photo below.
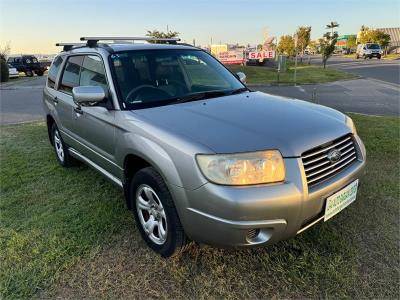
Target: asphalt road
[21,100]
[384,70]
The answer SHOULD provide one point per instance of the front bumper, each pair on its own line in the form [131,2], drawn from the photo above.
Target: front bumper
[259,215]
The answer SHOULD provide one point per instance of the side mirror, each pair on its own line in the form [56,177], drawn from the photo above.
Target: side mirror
[88,95]
[241,76]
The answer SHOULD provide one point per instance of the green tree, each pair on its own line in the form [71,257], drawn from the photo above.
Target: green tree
[303,39]
[4,51]
[162,35]
[327,44]
[381,38]
[332,25]
[286,45]
[351,42]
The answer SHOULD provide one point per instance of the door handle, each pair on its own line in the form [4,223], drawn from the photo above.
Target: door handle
[78,110]
[55,99]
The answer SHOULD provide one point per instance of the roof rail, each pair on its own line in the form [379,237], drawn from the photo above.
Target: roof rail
[92,41]
[69,46]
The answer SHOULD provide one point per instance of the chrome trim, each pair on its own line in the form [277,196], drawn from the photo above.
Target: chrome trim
[244,224]
[326,162]
[79,156]
[95,152]
[327,148]
[334,170]
[309,225]
[332,165]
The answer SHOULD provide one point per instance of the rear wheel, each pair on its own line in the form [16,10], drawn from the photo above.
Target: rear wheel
[29,73]
[39,73]
[155,213]
[61,150]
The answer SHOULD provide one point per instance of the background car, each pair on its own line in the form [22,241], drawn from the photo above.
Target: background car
[12,72]
[27,64]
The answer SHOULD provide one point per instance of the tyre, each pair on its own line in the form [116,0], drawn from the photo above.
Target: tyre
[29,73]
[379,57]
[155,213]
[39,73]
[61,149]
[364,56]
[357,56]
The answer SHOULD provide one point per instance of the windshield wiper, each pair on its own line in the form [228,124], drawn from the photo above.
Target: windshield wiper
[238,91]
[200,96]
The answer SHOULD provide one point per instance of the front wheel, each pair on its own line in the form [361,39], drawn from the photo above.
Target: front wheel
[155,213]
[29,73]
[39,73]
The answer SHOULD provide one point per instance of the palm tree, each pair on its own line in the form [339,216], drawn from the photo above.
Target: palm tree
[332,25]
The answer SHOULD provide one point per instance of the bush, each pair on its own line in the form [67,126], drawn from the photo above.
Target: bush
[3,71]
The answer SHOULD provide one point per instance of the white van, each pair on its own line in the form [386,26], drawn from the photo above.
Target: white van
[369,50]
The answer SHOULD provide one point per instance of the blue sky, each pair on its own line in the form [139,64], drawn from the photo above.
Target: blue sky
[39,24]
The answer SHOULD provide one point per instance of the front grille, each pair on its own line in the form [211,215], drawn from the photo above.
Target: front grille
[319,167]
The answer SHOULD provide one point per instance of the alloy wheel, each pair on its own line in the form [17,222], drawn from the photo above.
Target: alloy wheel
[151,214]
[58,145]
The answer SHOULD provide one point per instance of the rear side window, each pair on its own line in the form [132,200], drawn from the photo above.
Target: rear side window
[53,72]
[72,71]
[93,72]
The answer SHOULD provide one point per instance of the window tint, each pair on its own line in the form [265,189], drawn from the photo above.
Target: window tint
[93,73]
[70,78]
[54,69]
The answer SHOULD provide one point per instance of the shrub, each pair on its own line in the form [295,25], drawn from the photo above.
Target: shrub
[3,71]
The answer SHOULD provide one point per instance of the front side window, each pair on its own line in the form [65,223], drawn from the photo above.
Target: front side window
[147,78]
[93,73]
[72,71]
[53,72]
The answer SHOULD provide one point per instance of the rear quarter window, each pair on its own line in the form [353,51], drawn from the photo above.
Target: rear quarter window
[53,72]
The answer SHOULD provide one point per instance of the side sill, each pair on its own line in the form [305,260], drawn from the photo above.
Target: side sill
[107,174]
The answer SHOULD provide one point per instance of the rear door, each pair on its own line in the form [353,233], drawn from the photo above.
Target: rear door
[64,102]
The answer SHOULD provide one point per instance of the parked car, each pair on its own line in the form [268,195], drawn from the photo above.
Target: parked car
[369,50]
[12,72]
[199,155]
[27,64]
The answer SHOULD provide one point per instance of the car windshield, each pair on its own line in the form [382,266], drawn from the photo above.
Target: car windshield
[151,78]
[373,46]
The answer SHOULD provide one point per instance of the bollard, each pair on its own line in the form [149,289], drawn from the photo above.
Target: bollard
[314,95]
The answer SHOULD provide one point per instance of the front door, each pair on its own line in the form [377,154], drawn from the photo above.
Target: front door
[93,126]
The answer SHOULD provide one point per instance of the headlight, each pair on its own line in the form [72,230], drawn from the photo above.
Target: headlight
[350,124]
[243,168]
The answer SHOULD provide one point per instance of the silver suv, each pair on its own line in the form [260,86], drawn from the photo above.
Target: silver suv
[199,156]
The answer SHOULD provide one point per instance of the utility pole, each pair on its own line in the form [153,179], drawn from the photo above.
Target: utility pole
[295,59]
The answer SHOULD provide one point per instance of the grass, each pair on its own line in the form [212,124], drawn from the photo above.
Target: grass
[305,74]
[66,233]
[392,56]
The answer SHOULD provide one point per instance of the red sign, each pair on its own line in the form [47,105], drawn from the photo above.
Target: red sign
[231,58]
[262,54]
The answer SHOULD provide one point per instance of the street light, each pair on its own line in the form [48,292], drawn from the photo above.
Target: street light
[295,37]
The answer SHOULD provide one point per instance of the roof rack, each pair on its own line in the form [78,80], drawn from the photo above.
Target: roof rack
[69,46]
[92,41]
